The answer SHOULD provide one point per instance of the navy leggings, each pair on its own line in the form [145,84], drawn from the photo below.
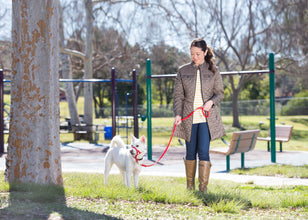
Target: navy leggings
[199,143]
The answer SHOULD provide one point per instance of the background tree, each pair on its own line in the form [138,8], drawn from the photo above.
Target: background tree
[237,42]
[111,49]
[288,36]
[66,72]
[5,44]
[88,70]
[108,49]
[166,60]
[5,61]
[33,153]
[3,15]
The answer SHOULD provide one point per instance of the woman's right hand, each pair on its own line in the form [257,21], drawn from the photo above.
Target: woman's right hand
[177,120]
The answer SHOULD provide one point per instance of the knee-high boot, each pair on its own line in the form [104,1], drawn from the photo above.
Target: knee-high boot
[204,175]
[190,167]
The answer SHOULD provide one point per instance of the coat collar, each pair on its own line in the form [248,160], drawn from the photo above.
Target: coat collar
[204,65]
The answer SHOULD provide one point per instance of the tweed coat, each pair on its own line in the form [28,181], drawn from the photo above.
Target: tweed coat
[183,98]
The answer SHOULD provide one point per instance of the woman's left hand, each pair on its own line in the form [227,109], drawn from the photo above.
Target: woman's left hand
[208,105]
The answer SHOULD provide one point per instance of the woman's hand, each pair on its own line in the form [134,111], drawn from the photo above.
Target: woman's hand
[208,105]
[177,120]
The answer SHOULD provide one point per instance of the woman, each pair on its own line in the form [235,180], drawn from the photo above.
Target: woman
[198,84]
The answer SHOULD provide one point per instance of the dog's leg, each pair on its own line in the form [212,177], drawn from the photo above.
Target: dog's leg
[108,166]
[106,173]
[123,177]
[128,178]
[129,171]
[136,178]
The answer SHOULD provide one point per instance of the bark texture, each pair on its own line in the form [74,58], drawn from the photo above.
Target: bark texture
[33,153]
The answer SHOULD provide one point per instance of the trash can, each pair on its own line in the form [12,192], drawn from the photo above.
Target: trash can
[108,132]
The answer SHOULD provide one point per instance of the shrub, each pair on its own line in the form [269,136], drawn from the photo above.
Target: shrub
[297,106]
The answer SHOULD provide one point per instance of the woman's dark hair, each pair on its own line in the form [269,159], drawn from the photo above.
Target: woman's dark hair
[209,57]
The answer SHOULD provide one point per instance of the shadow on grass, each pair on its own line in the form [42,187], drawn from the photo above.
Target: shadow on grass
[224,201]
[43,202]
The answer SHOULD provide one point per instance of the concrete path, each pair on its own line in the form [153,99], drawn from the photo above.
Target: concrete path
[84,157]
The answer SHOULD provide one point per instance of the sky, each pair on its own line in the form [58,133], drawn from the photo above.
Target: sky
[5,23]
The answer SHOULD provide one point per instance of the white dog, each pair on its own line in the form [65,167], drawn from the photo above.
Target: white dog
[127,159]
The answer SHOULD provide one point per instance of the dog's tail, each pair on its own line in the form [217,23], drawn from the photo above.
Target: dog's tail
[117,142]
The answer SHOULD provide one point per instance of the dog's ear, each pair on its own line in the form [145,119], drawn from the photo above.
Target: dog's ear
[142,138]
[133,138]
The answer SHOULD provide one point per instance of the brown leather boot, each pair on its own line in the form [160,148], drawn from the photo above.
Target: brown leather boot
[190,167]
[204,175]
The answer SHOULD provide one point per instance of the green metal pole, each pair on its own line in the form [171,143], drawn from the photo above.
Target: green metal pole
[272,106]
[228,162]
[149,107]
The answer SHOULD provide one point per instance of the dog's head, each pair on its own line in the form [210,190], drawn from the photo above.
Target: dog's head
[138,146]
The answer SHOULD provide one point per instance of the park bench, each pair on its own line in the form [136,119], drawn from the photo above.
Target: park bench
[283,134]
[241,142]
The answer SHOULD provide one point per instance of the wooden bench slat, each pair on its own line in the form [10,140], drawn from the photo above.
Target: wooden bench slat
[283,134]
[223,151]
[241,142]
[244,144]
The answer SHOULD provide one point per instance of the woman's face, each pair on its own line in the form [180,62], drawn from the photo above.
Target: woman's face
[197,55]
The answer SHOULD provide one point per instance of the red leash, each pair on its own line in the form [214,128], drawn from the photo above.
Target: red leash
[205,115]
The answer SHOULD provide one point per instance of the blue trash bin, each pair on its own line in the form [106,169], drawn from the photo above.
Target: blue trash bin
[108,132]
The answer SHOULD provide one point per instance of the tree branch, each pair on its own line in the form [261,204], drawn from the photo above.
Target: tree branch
[72,53]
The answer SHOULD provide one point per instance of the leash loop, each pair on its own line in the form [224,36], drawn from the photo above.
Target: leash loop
[206,115]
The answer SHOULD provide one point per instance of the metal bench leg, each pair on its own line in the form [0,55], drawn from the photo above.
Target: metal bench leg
[268,146]
[242,160]
[280,146]
[228,162]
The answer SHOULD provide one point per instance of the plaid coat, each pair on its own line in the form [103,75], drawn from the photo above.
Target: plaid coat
[183,98]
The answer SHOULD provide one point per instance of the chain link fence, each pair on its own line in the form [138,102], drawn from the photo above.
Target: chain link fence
[283,106]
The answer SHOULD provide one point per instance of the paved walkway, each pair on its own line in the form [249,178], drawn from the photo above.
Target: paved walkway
[83,157]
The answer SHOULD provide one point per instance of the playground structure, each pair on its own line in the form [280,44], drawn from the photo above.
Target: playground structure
[115,126]
[114,117]
[271,73]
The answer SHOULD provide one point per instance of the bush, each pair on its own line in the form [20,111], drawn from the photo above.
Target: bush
[162,111]
[297,106]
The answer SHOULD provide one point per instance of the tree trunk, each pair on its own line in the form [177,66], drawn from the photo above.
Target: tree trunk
[235,113]
[33,153]
[67,74]
[88,90]
[70,95]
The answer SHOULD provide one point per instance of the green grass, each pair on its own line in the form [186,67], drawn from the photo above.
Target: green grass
[84,196]
[275,170]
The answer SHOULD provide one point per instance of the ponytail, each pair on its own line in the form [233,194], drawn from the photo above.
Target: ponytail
[209,58]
